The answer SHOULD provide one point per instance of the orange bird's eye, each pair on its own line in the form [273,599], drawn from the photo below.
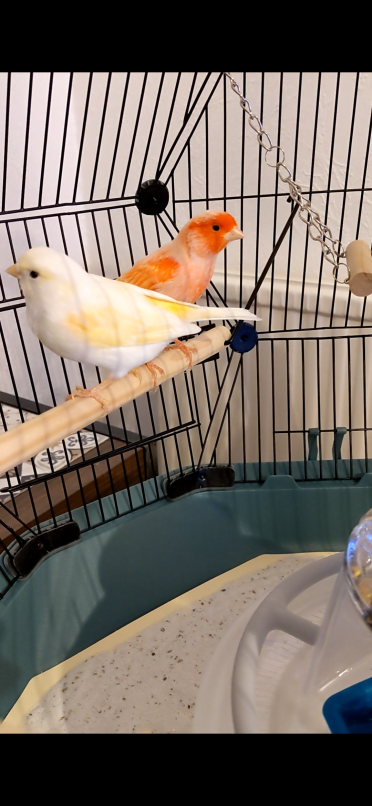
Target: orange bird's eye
[215,227]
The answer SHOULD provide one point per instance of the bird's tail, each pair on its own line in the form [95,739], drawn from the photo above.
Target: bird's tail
[189,312]
[202,312]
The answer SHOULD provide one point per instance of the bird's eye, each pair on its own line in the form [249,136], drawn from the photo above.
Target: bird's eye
[34,274]
[215,227]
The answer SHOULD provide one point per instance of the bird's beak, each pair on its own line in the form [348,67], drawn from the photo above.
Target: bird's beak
[234,234]
[14,271]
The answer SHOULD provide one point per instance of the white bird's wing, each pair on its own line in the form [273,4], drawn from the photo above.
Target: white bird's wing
[112,314]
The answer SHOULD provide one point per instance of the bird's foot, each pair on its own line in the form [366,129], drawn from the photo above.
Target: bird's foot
[188,351]
[135,372]
[94,393]
[154,369]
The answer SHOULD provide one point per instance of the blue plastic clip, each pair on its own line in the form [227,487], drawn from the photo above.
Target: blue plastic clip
[243,339]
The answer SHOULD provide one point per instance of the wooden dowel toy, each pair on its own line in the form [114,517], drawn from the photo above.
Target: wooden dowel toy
[359,262]
[26,440]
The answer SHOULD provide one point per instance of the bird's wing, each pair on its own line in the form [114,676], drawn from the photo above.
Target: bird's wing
[153,272]
[146,292]
[113,314]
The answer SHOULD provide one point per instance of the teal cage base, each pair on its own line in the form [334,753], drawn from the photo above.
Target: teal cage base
[120,570]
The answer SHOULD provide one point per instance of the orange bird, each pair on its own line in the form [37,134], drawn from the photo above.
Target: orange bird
[183,268]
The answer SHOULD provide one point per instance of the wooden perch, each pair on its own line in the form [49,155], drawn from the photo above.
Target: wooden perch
[359,261]
[47,429]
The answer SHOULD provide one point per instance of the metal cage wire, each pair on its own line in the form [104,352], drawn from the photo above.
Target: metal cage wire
[74,148]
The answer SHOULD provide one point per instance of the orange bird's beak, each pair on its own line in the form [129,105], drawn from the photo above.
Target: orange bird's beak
[234,234]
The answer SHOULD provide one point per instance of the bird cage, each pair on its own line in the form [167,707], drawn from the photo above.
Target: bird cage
[263,445]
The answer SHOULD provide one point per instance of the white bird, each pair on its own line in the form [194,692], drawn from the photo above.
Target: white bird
[95,320]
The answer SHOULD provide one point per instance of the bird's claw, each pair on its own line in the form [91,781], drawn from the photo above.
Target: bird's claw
[81,392]
[135,372]
[187,351]
[154,369]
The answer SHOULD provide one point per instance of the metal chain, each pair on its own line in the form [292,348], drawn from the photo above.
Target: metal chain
[333,250]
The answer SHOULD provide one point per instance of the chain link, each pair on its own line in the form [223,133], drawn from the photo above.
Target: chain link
[333,250]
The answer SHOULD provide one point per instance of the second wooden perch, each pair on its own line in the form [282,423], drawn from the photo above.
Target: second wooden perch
[359,261]
[26,440]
